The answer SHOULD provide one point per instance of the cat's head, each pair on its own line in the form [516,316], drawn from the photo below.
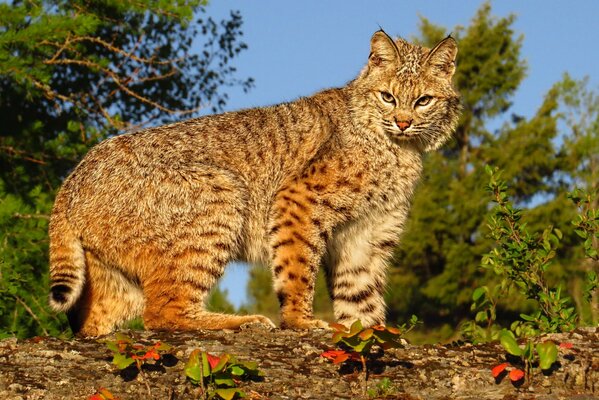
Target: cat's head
[405,91]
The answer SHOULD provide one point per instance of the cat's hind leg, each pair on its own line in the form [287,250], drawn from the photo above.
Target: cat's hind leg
[175,296]
[202,239]
[108,299]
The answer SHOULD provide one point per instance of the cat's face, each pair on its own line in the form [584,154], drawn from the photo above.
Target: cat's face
[405,91]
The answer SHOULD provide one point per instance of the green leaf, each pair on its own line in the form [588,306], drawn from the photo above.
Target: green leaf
[224,381]
[192,368]
[509,343]
[122,337]
[547,354]
[205,364]
[527,317]
[237,371]
[122,361]
[478,292]
[582,233]
[337,337]
[164,347]
[113,346]
[363,346]
[480,316]
[229,393]
[558,233]
[355,328]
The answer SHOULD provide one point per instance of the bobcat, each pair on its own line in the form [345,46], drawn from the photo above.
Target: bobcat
[147,222]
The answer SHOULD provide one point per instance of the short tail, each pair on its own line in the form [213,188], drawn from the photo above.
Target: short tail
[67,260]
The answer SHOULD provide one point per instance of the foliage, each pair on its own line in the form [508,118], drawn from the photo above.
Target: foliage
[542,354]
[359,340]
[522,259]
[219,376]
[218,301]
[71,74]
[126,352]
[356,342]
[586,226]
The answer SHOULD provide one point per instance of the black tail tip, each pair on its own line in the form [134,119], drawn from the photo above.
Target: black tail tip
[60,293]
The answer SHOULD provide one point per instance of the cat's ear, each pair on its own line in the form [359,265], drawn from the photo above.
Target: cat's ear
[441,59]
[383,50]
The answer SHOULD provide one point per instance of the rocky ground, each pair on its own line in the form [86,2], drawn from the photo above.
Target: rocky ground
[50,368]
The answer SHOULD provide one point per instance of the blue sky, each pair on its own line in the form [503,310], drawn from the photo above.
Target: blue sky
[299,47]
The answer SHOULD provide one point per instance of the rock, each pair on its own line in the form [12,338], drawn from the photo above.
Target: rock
[51,368]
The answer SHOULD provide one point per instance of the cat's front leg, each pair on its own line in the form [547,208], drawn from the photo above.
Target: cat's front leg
[356,267]
[298,241]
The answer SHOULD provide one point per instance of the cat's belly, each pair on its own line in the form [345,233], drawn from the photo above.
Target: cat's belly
[255,246]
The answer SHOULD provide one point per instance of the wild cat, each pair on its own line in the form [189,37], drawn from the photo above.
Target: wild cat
[147,222]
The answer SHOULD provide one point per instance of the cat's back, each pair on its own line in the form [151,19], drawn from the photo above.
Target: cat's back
[246,142]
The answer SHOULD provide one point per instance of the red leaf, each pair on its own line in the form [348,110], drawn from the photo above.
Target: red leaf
[497,370]
[151,354]
[340,358]
[338,327]
[332,354]
[102,394]
[212,360]
[379,327]
[393,330]
[516,375]
[565,345]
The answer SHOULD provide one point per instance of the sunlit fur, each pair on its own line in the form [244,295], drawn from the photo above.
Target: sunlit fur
[411,74]
[147,222]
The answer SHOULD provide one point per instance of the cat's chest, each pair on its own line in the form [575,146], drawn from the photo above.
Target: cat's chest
[389,178]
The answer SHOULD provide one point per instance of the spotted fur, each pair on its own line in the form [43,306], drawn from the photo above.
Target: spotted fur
[148,220]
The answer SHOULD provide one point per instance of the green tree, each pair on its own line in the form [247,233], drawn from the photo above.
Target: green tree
[218,301]
[71,74]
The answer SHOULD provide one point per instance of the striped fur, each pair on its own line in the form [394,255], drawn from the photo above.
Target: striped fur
[148,220]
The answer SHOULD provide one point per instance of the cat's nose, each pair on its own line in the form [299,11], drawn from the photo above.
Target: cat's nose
[403,125]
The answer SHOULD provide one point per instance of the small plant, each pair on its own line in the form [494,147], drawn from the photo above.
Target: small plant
[356,342]
[522,260]
[543,354]
[127,352]
[484,327]
[383,388]
[103,394]
[219,376]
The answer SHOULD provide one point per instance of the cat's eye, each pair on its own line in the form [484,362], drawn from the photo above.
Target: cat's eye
[387,97]
[423,101]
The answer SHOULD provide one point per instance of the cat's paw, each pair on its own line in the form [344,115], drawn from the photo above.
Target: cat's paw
[305,323]
[258,321]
